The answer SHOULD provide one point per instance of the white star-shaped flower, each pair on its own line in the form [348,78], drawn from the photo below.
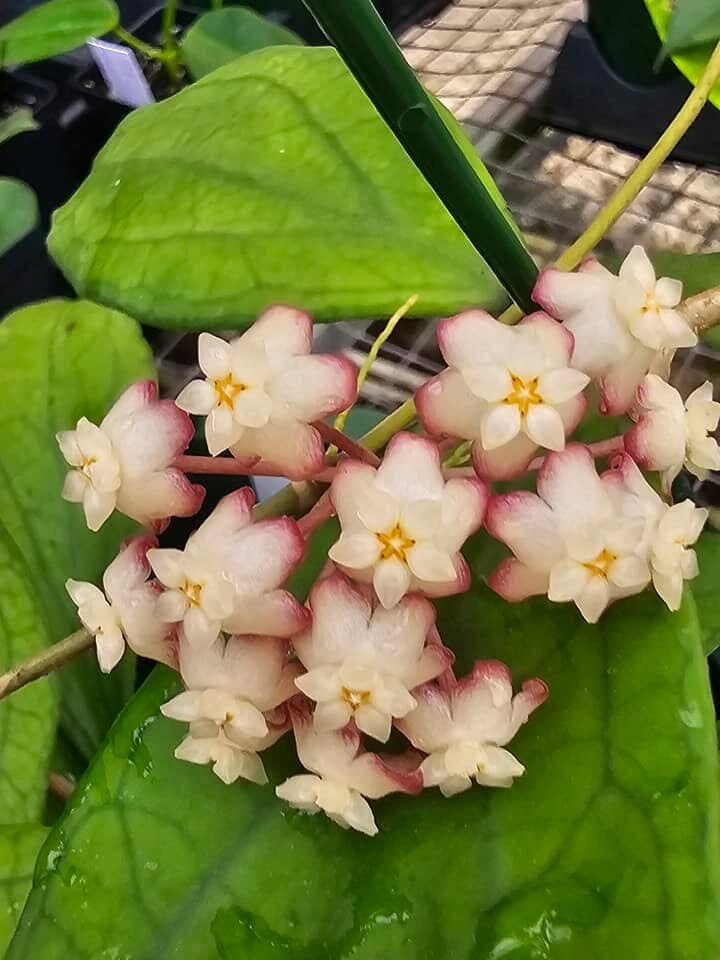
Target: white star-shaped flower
[264,390]
[403,524]
[126,462]
[464,729]
[235,690]
[669,434]
[126,610]
[669,532]
[508,389]
[229,575]
[570,540]
[362,663]
[622,324]
[342,774]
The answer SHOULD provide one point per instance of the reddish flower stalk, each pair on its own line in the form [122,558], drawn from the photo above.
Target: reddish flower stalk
[346,444]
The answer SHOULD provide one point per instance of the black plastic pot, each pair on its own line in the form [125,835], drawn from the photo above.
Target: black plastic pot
[627,39]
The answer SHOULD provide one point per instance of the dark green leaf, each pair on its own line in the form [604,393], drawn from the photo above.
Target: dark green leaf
[18,212]
[220,36]
[607,847]
[18,849]
[53,28]
[290,189]
[61,360]
[19,121]
[690,62]
[706,589]
[693,22]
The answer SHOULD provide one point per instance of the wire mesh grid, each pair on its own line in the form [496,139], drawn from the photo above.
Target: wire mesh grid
[489,61]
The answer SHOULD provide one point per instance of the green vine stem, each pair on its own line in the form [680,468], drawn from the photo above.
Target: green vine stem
[371,53]
[130,40]
[626,192]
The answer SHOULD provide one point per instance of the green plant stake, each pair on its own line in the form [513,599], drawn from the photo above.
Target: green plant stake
[379,66]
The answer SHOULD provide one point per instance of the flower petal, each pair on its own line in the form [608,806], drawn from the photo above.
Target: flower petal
[110,646]
[473,337]
[314,387]
[561,384]
[213,356]
[222,431]
[274,614]
[97,506]
[197,397]
[428,562]
[515,581]
[544,426]
[637,266]
[156,496]
[500,425]
[282,331]
[410,469]
[356,551]
[446,407]
[527,526]
[506,462]
[568,482]
[391,581]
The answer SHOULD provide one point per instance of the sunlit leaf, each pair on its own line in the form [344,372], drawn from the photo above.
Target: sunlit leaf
[290,188]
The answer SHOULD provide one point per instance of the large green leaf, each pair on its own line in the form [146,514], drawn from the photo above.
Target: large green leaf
[18,849]
[54,27]
[61,360]
[28,718]
[693,22]
[691,62]
[705,588]
[273,179]
[220,36]
[607,847]
[18,212]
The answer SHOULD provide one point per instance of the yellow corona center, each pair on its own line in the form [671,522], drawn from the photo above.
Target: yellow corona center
[524,393]
[651,305]
[87,463]
[192,591]
[227,389]
[394,543]
[355,698]
[601,564]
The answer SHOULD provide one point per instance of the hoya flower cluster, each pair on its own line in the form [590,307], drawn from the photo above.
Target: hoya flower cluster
[363,656]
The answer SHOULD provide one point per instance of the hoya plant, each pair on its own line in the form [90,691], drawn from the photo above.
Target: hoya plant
[445,694]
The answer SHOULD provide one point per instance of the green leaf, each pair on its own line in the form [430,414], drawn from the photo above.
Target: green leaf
[690,62]
[60,360]
[705,589]
[28,718]
[18,212]
[19,121]
[290,189]
[220,36]
[54,28]
[607,847]
[693,22]
[18,849]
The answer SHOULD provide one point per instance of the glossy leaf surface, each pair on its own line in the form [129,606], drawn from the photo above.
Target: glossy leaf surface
[608,845]
[62,360]
[290,188]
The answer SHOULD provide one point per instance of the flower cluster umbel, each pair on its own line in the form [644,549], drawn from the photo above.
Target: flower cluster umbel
[364,655]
